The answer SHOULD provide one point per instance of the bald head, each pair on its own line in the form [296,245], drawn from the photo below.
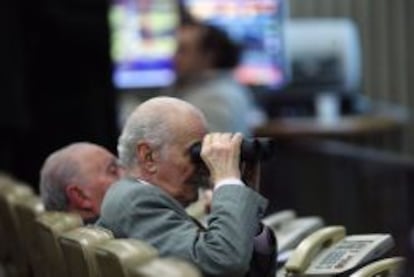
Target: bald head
[66,160]
[157,121]
[59,169]
[89,167]
[166,107]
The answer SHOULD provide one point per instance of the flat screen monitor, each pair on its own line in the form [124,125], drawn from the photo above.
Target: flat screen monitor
[258,26]
[143,42]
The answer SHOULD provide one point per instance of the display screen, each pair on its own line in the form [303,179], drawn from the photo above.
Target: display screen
[143,42]
[258,25]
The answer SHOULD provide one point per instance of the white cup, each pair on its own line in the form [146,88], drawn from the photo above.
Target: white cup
[327,107]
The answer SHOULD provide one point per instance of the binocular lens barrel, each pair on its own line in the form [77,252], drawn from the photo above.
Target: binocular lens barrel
[252,149]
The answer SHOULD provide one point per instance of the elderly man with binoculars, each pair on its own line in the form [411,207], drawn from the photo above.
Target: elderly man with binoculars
[157,147]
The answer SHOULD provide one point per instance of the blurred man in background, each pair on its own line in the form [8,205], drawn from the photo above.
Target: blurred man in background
[204,61]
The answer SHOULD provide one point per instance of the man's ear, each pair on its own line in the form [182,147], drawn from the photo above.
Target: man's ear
[145,155]
[78,198]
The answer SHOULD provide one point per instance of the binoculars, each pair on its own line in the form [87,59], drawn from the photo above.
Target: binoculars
[252,149]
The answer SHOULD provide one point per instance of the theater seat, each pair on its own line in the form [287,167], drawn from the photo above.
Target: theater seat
[114,257]
[391,267]
[27,210]
[77,247]
[171,267]
[5,181]
[49,226]
[13,251]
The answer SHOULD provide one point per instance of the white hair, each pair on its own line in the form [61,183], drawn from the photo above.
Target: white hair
[151,121]
[58,171]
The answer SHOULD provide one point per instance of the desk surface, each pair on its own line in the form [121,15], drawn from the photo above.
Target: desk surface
[354,125]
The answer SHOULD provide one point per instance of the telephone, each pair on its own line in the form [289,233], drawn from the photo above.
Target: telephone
[291,230]
[391,267]
[328,252]
[275,220]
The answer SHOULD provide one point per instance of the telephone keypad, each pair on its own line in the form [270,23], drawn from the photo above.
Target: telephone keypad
[332,259]
[344,251]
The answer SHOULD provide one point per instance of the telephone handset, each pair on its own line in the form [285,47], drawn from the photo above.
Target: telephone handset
[301,258]
[391,267]
[329,252]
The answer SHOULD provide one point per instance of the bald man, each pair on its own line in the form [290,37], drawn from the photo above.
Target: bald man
[161,180]
[75,178]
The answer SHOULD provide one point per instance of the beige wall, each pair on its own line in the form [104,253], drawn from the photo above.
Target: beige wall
[387,34]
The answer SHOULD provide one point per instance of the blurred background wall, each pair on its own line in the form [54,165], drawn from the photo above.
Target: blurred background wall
[55,81]
[387,37]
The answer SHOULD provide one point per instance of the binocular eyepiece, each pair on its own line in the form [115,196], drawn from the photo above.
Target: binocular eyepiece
[252,149]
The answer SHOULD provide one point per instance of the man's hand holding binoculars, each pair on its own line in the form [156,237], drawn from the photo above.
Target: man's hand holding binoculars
[222,153]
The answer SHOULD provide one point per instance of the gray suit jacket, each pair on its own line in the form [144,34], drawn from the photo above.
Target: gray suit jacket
[145,212]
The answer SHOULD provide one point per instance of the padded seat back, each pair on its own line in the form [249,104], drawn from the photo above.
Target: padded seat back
[49,226]
[171,267]
[13,252]
[114,257]
[27,210]
[5,181]
[77,247]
